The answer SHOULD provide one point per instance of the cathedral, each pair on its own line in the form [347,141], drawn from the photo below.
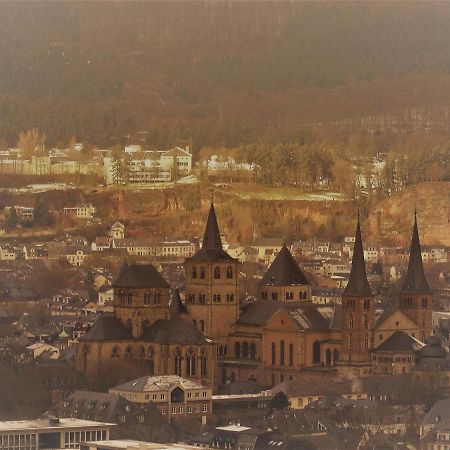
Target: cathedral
[214,340]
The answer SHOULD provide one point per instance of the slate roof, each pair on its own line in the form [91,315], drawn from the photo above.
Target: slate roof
[107,328]
[176,305]
[399,342]
[106,407]
[212,249]
[357,283]
[415,281]
[284,271]
[174,330]
[140,276]
[157,383]
[307,315]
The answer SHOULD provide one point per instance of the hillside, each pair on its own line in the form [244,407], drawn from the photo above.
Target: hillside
[215,72]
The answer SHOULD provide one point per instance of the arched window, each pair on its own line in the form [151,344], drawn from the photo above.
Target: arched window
[237,350]
[273,379]
[128,353]
[233,377]
[203,364]
[151,353]
[194,272]
[366,321]
[281,378]
[202,325]
[328,357]
[350,321]
[225,350]
[229,272]
[274,356]
[178,362]
[305,295]
[316,352]
[116,352]
[367,304]
[245,350]
[121,297]
[194,322]
[220,350]
[141,352]
[190,364]
[202,273]
[252,350]
[335,356]
[217,273]
[291,354]
[366,341]
[130,298]
[424,303]
[281,353]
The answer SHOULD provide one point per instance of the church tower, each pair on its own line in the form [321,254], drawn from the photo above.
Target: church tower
[141,297]
[284,280]
[416,299]
[212,284]
[357,309]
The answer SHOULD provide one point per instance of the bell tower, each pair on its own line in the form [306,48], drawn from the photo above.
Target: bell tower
[358,308]
[212,284]
[416,298]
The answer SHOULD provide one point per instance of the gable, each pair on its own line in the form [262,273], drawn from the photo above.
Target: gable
[281,320]
[390,322]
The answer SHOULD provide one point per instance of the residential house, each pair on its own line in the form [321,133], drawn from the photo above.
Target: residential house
[85,211]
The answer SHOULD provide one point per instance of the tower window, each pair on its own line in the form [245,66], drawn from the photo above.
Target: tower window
[273,354]
[282,353]
[291,355]
[217,273]
[194,272]
[229,272]
[202,273]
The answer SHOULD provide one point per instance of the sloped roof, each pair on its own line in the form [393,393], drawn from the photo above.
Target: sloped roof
[357,283]
[174,330]
[212,249]
[399,342]
[307,315]
[140,276]
[176,305]
[284,271]
[157,383]
[415,281]
[107,328]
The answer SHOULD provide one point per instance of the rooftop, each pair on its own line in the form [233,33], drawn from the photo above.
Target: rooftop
[40,424]
[157,383]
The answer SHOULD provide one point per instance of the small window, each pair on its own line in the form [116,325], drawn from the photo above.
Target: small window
[217,273]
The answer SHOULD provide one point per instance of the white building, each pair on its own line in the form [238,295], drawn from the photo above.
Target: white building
[50,433]
[86,211]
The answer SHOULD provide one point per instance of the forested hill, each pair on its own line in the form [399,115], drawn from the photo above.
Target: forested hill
[214,72]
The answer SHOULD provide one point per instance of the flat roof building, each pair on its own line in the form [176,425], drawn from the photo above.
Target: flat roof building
[44,434]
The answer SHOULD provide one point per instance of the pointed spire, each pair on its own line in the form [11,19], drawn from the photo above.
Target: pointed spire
[211,238]
[357,283]
[176,305]
[415,281]
[284,271]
